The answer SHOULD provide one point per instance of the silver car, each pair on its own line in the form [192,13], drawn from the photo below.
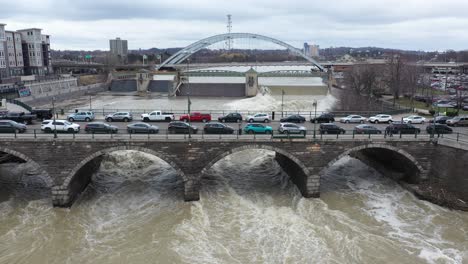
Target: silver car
[260,117]
[290,128]
[353,119]
[119,116]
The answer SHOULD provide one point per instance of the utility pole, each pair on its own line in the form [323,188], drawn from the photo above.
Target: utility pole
[188,97]
[229,30]
[282,101]
[53,110]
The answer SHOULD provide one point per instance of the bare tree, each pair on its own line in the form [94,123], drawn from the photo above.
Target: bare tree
[361,84]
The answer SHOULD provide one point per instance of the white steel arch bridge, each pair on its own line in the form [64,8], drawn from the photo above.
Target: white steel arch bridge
[185,53]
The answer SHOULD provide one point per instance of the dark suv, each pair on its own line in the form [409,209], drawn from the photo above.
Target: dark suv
[231,117]
[401,128]
[329,128]
[323,118]
[179,127]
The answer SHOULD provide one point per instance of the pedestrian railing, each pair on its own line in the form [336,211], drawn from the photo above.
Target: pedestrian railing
[274,115]
[238,134]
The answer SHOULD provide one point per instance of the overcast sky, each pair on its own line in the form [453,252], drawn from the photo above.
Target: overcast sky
[89,24]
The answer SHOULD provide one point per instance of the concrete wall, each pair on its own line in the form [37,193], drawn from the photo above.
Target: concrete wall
[214,89]
[123,86]
[62,94]
[160,86]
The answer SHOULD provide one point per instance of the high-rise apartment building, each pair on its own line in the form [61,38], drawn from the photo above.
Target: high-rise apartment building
[119,49]
[314,50]
[3,48]
[24,52]
[311,50]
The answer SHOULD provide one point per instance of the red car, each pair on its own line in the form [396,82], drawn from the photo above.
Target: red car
[196,117]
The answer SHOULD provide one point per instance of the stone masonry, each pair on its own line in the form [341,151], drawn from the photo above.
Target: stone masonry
[69,164]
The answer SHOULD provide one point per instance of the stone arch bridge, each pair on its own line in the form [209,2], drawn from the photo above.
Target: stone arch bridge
[69,164]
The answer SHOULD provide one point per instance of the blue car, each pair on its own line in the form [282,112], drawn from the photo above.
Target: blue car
[81,116]
[258,129]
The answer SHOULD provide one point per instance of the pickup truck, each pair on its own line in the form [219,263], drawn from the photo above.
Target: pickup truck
[196,117]
[19,117]
[158,116]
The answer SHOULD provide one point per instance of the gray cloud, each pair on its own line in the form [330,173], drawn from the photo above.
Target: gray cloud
[410,24]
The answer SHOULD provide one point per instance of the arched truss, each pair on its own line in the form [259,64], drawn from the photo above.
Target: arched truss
[201,44]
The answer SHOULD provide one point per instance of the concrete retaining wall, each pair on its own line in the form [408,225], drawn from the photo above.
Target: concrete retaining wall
[214,89]
[62,94]
[123,86]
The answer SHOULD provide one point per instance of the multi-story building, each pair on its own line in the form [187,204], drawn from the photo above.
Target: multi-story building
[314,50]
[32,51]
[15,53]
[3,48]
[119,49]
[311,50]
[24,52]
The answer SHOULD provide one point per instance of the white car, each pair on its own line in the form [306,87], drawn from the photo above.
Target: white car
[61,126]
[414,119]
[260,117]
[353,119]
[381,119]
[158,116]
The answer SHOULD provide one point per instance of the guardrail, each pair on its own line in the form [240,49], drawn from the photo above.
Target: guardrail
[218,113]
[238,134]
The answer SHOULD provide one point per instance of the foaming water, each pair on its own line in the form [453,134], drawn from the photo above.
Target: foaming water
[249,212]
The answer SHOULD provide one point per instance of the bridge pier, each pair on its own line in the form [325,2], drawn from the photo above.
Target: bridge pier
[192,189]
[307,183]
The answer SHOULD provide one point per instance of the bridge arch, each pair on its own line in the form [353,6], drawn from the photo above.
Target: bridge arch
[368,153]
[298,172]
[80,176]
[24,157]
[185,53]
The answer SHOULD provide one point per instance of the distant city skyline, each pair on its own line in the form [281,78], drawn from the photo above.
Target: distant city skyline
[88,25]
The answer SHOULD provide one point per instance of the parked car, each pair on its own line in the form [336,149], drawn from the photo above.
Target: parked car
[465,107]
[49,126]
[414,119]
[258,129]
[381,119]
[438,129]
[323,118]
[158,116]
[403,128]
[353,119]
[293,119]
[289,128]
[196,117]
[231,117]
[87,116]
[440,119]
[100,127]
[42,114]
[217,128]
[178,127]
[330,128]
[458,121]
[10,126]
[119,116]
[19,117]
[260,117]
[366,129]
[142,128]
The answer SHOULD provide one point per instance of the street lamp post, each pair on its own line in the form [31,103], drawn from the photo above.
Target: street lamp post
[282,101]
[315,115]
[53,111]
[90,107]
[188,98]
